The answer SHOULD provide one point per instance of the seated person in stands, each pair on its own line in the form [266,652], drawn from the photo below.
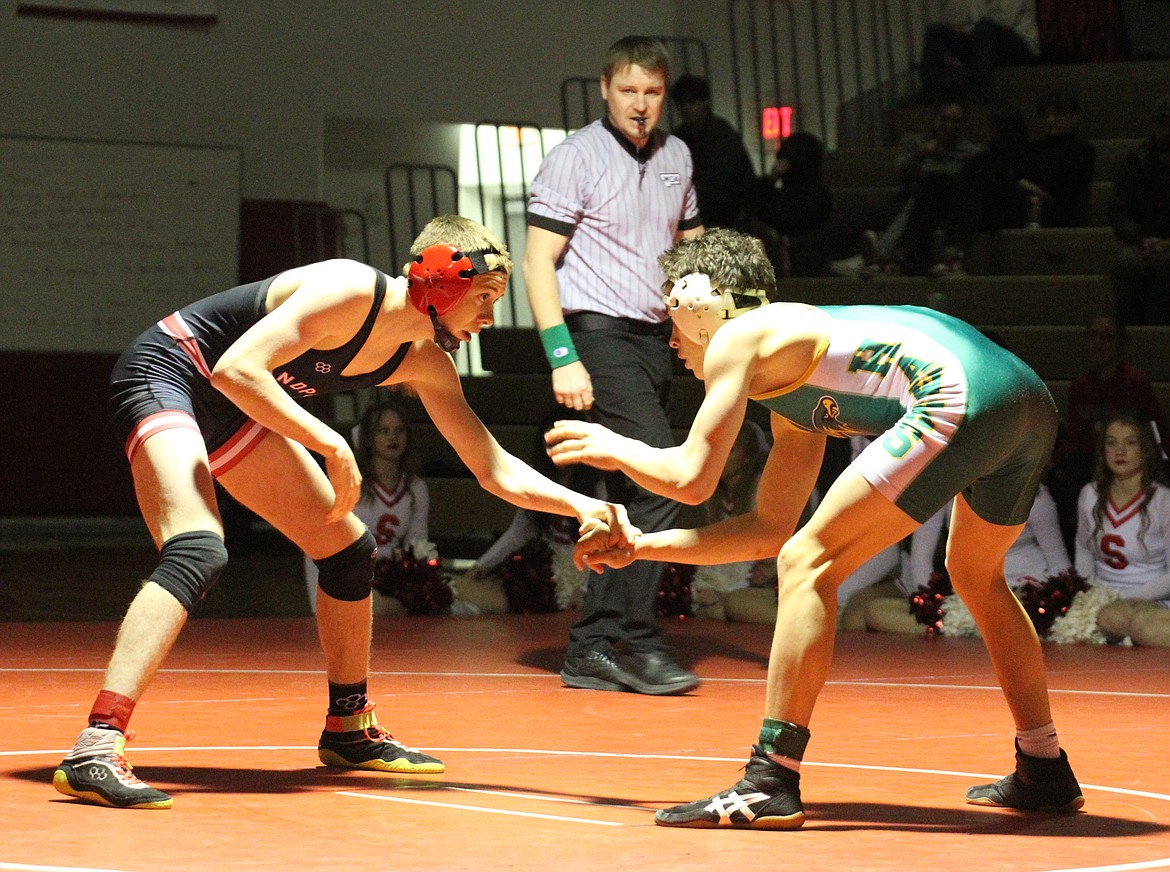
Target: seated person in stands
[1110,383]
[723,171]
[928,164]
[1059,165]
[1123,533]
[993,193]
[792,203]
[1140,214]
[395,503]
[975,37]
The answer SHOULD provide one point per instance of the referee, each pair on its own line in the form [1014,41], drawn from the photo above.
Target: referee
[604,205]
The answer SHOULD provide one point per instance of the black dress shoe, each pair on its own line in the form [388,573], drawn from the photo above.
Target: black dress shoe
[595,670]
[653,672]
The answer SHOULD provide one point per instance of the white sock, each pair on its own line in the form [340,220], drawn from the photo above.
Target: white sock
[1040,742]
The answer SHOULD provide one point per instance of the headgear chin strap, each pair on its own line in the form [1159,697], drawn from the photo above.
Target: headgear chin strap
[439,277]
[698,308]
[444,338]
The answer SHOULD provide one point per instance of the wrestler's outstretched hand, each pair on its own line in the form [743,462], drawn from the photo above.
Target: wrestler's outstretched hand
[583,442]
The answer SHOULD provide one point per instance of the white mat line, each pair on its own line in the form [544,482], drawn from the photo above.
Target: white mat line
[460,807]
[548,676]
[995,687]
[544,797]
[25,867]
[1121,867]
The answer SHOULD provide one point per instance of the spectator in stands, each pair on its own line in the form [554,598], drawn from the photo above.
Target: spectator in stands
[1123,533]
[1110,384]
[1059,165]
[973,38]
[994,195]
[1140,214]
[928,167]
[394,504]
[793,202]
[723,170]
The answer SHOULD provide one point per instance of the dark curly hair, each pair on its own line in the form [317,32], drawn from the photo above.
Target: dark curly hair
[729,258]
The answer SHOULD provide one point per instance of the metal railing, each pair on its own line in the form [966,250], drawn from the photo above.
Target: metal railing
[507,155]
[841,64]
[416,193]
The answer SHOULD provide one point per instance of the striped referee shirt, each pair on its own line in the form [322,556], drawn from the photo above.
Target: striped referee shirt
[620,208]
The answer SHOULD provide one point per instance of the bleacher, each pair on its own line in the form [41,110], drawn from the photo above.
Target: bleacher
[1036,288]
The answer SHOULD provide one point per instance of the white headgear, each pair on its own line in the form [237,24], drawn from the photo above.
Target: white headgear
[698,308]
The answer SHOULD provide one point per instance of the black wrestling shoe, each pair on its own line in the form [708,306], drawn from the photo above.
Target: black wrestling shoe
[653,672]
[96,771]
[357,741]
[1038,784]
[595,670]
[768,798]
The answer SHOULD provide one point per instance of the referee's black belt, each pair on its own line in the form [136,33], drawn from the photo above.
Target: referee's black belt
[584,322]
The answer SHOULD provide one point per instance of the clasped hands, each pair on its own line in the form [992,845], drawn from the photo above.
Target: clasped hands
[604,541]
[601,545]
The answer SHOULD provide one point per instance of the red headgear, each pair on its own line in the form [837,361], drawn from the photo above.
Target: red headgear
[440,275]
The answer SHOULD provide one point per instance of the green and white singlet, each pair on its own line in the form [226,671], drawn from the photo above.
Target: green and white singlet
[952,411]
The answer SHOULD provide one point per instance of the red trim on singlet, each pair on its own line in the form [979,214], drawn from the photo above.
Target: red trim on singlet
[243,440]
[221,460]
[175,327]
[236,448]
[156,423]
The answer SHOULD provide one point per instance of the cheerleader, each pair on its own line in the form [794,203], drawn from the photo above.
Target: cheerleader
[1123,533]
[395,503]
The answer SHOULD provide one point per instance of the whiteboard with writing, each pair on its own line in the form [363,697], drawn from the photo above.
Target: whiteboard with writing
[98,240]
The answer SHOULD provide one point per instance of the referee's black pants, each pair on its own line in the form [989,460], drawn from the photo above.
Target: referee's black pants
[630,365]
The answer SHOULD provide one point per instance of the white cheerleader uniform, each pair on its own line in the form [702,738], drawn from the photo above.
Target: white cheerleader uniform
[1122,555]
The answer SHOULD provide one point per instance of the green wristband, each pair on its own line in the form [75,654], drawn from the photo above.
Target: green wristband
[558,346]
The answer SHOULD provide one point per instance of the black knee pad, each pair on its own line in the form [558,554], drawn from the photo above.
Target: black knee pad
[348,575]
[189,565]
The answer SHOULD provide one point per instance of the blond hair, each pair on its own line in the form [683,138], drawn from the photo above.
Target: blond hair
[467,236]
